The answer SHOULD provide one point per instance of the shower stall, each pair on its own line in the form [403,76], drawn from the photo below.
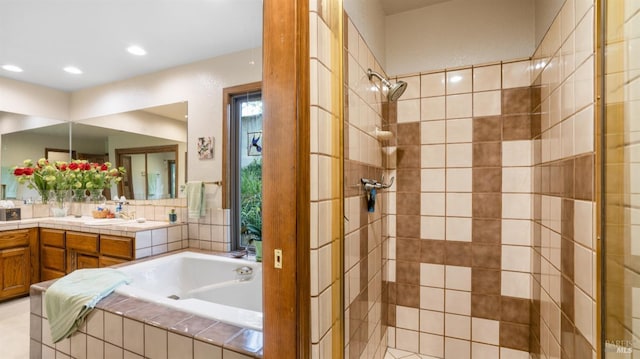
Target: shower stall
[620,176]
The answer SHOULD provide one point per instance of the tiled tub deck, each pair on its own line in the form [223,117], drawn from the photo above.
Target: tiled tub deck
[122,327]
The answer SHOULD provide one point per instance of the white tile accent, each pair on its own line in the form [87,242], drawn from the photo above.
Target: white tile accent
[459,106]
[432,132]
[432,108]
[516,258]
[516,284]
[432,84]
[432,345]
[457,326]
[432,275]
[432,298]
[459,81]
[456,348]
[516,74]
[457,302]
[487,103]
[407,340]
[432,227]
[408,111]
[432,156]
[485,331]
[432,322]
[481,351]
[459,155]
[459,180]
[458,277]
[459,229]
[487,78]
[407,318]
[459,130]
[516,153]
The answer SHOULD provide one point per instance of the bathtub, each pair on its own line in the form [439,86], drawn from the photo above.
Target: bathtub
[210,286]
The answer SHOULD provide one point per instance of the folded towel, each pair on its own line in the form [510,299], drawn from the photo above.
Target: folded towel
[69,300]
[195,199]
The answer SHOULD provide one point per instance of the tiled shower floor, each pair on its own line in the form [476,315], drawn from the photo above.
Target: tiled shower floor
[401,354]
[14,328]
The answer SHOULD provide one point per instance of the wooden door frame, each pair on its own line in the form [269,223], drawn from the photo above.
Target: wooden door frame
[286,203]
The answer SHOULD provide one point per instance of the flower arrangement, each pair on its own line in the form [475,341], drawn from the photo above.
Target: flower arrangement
[78,175]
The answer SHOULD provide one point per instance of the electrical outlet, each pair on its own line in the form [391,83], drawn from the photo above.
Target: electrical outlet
[277,254]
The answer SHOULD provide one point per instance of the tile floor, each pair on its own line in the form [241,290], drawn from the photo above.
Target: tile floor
[14,328]
[401,354]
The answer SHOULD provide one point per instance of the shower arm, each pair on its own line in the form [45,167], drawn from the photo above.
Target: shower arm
[385,82]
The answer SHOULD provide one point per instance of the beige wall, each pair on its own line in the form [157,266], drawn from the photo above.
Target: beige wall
[459,33]
[28,99]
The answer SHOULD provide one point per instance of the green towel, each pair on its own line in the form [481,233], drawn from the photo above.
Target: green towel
[195,199]
[71,298]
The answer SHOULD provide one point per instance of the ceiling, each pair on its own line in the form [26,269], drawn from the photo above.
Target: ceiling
[391,7]
[44,36]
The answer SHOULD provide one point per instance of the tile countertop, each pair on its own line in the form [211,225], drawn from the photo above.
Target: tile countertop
[86,224]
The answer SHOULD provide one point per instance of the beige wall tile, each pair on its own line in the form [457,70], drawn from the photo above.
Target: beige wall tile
[433,108]
[487,78]
[432,345]
[485,331]
[459,130]
[408,111]
[459,81]
[459,106]
[487,103]
[456,348]
[516,74]
[433,84]
[433,132]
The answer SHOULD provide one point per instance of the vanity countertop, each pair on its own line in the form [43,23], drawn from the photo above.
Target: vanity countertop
[87,224]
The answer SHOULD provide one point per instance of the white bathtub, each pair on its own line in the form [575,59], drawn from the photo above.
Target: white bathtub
[202,284]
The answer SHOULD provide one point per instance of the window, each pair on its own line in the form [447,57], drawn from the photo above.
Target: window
[245,159]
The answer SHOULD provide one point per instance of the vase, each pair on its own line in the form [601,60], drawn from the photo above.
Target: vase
[79,196]
[96,197]
[44,195]
[258,246]
[59,202]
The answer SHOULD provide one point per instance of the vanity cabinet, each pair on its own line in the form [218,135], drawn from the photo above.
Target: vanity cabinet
[18,250]
[65,251]
[52,253]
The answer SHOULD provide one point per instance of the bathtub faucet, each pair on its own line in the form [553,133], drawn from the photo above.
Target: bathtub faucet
[244,273]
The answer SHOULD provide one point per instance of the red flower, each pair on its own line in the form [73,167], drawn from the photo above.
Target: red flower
[73,166]
[62,167]
[86,166]
[18,171]
[104,167]
[28,171]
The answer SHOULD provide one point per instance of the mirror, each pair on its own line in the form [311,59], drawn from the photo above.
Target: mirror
[218,46]
[26,137]
[100,139]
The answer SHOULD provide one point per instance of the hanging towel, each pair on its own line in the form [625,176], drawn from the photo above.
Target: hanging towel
[195,199]
[69,300]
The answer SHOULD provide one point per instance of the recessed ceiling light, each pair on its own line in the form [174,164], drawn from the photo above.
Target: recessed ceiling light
[73,70]
[12,68]
[136,50]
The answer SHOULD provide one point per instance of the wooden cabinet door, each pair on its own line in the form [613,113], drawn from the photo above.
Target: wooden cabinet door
[52,254]
[15,274]
[86,261]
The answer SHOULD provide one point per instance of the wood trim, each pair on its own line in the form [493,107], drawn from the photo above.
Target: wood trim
[286,172]
[227,95]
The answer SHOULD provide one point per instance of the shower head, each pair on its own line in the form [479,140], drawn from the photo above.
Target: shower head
[394,91]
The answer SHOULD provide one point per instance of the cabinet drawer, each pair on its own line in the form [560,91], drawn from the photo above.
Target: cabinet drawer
[53,258]
[109,261]
[85,242]
[52,237]
[121,247]
[11,239]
